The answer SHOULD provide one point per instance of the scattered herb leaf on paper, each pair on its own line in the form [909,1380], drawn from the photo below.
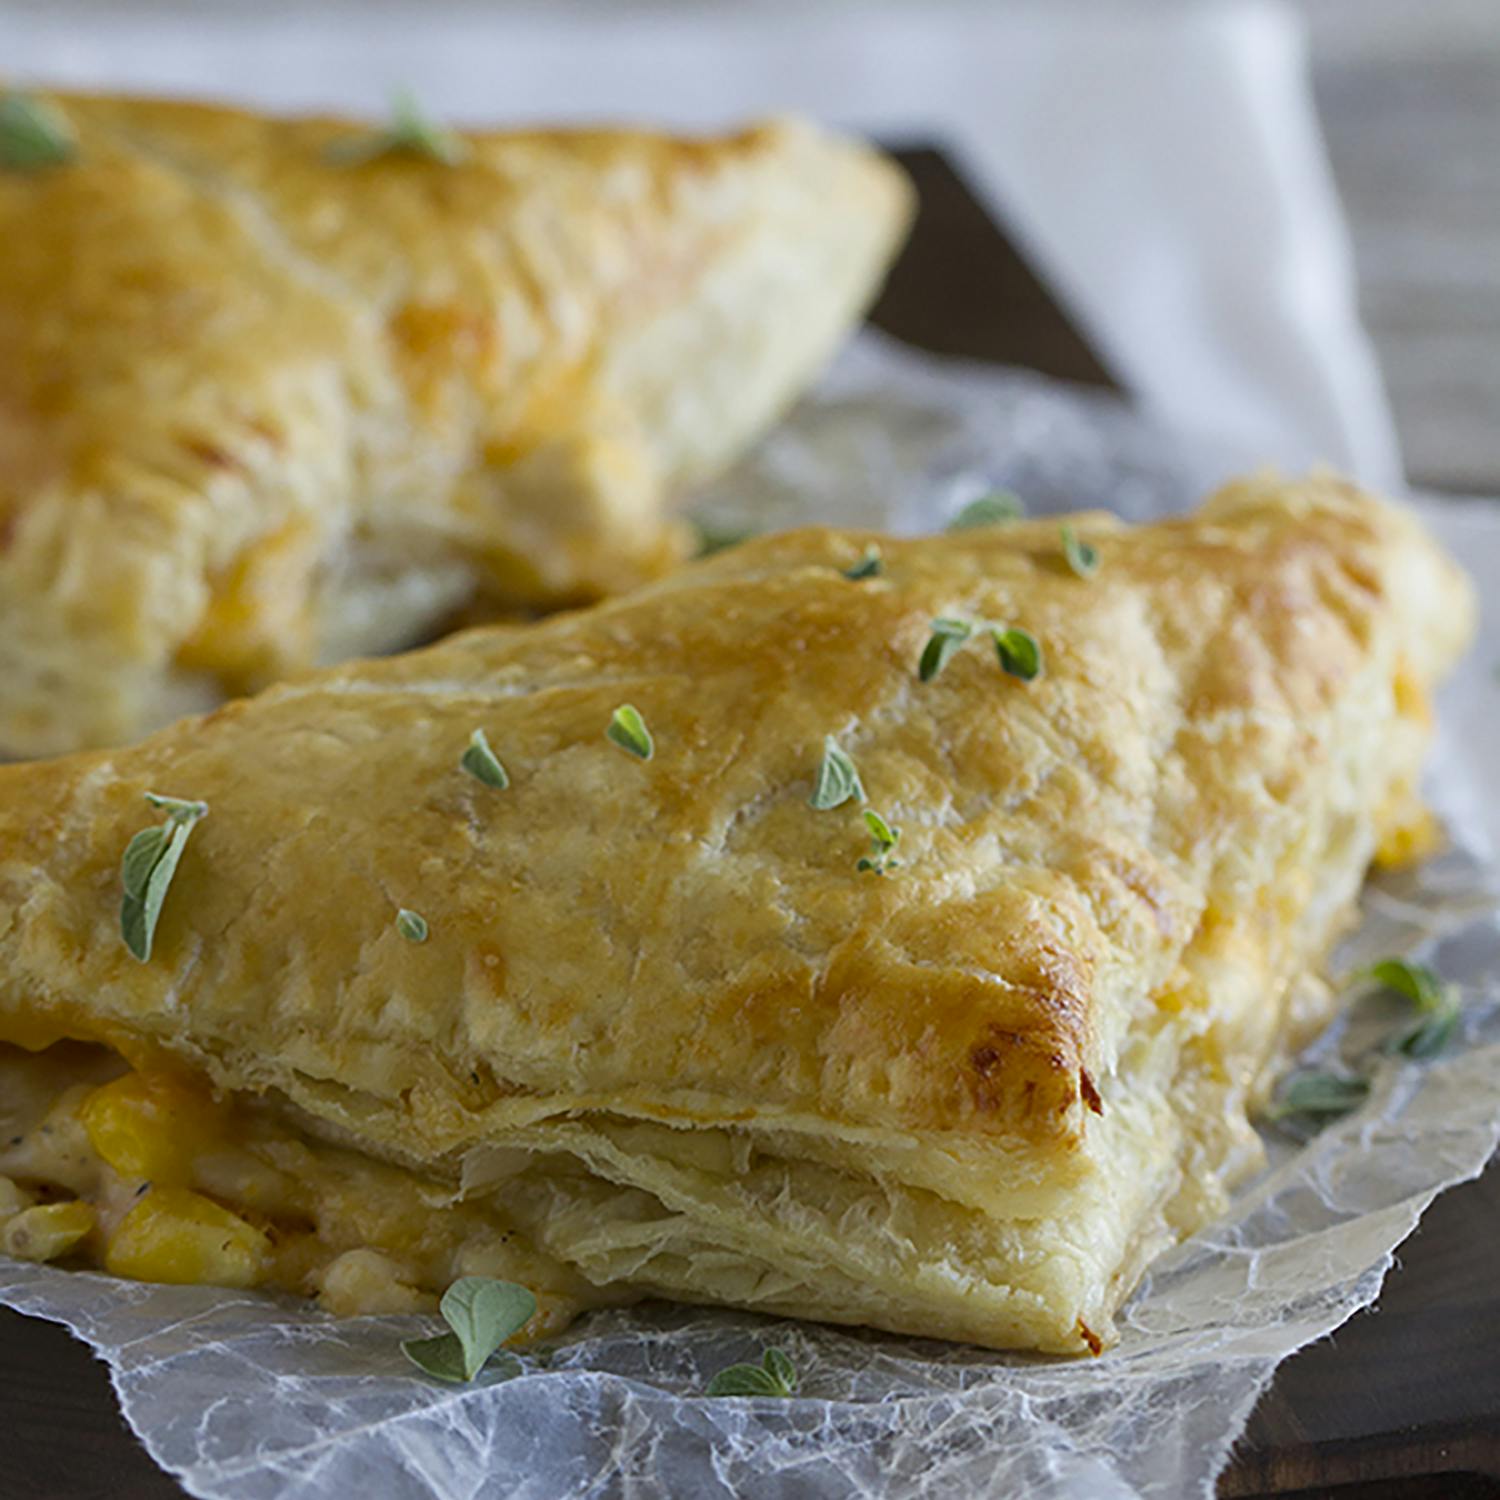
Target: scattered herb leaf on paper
[482,1313]
[775,1375]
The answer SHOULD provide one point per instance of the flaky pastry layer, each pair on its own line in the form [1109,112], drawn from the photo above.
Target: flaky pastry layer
[263,405]
[666,1026]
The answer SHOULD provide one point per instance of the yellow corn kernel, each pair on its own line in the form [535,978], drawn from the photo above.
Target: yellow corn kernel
[149,1126]
[365,1281]
[1408,842]
[12,1198]
[1412,698]
[47,1230]
[182,1237]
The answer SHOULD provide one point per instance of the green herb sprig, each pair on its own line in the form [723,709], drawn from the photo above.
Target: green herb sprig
[412,925]
[1412,981]
[1425,1038]
[408,133]
[837,780]
[481,1314]
[34,134]
[870,565]
[1080,556]
[482,763]
[1020,654]
[947,636]
[146,871]
[775,1375]
[627,729]
[883,841]
[713,537]
[996,509]
[1437,1005]
[1019,651]
[1313,1097]
[1320,1095]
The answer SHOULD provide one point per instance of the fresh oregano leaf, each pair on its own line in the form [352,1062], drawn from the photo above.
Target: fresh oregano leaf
[1436,1002]
[713,537]
[34,134]
[409,133]
[1412,981]
[146,870]
[1019,653]
[1082,558]
[742,1380]
[627,729]
[883,841]
[779,1366]
[989,510]
[482,1314]
[947,636]
[869,566]
[482,763]
[774,1376]
[837,780]
[412,925]
[441,1356]
[1427,1038]
[885,837]
[1323,1095]
[159,882]
[141,856]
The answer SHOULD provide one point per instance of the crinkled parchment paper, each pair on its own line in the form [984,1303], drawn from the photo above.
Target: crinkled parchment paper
[248,1397]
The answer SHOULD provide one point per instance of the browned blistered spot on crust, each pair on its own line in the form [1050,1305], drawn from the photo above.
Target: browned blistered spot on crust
[1092,1339]
[1089,1093]
[1005,1057]
[209,453]
[1024,1066]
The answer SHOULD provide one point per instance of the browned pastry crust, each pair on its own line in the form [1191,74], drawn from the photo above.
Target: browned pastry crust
[261,409]
[663,1018]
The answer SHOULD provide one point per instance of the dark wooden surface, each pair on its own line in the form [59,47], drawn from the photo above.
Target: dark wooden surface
[1404,1401]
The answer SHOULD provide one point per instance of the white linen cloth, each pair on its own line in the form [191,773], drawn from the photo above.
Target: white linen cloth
[1161,162]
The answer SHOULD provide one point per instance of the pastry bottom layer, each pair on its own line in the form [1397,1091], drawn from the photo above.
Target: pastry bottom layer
[146,1175]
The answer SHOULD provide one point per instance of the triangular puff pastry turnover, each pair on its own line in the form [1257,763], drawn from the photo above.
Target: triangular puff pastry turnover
[660,1014]
[271,395]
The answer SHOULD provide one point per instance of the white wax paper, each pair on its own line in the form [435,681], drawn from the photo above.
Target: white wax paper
[249,1397]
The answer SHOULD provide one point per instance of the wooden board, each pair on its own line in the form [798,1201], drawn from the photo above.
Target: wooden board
[1404,1401]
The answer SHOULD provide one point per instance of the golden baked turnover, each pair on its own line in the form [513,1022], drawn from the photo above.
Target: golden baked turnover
[782,965]
[276,392]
